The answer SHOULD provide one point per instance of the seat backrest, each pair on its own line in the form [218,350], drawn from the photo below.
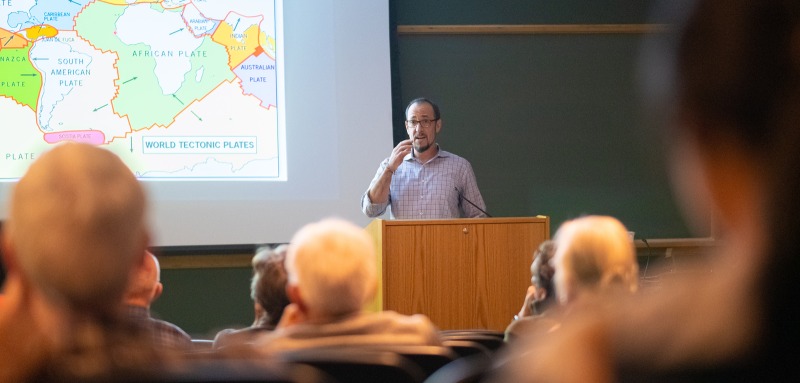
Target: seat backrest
[491,342]
[428,358]
[202,344]
[466,347]
[354,364]
[476,331]
[469,369]
[246,370]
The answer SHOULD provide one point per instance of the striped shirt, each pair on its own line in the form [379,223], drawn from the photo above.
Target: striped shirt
[433,190]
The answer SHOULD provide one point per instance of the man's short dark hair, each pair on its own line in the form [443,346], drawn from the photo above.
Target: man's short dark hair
[419,100]
[268,287]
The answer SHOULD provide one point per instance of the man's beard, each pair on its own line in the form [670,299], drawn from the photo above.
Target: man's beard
[421,149]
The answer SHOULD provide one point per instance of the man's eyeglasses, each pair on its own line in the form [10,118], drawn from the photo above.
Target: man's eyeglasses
[423,123]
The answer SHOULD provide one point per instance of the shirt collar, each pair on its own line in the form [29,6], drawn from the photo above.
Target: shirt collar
[441,153]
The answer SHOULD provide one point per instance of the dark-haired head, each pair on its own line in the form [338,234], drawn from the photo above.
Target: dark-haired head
[268,286]
[423,100]
[542,276]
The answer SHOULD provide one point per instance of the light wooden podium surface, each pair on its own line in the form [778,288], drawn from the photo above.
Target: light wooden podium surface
[461,273]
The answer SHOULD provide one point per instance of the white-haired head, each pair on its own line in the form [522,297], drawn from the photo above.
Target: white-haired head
[593,253]
[332,264]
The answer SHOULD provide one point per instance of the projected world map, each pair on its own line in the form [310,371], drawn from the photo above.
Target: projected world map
[180,90]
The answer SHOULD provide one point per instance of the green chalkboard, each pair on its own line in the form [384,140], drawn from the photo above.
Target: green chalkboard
[552,124]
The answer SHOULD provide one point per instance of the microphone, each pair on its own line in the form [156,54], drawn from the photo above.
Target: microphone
[470,202]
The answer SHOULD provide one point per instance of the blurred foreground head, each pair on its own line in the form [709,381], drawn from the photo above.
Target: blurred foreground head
[738,92]
[76,226]
[730,82]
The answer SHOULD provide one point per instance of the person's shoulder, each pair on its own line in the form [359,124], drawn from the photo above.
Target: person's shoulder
[402,322]
[244,335]
[169,326]
[450,156]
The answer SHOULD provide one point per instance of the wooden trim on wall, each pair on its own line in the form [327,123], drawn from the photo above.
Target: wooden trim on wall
[531,29]
[169,262]
[676,242]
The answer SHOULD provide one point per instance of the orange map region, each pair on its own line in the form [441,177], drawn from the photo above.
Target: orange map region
[239,46]
[9,39]
[38,31]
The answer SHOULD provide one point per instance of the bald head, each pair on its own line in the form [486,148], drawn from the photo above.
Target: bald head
[76,225]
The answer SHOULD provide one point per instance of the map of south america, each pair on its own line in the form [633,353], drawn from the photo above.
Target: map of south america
[179,89]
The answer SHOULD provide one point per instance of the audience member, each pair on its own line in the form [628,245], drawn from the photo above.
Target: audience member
[419,167]
[593,258]
[332,276]
[143,289]
[76,228]
[540,293]
[734,154]
[268,291]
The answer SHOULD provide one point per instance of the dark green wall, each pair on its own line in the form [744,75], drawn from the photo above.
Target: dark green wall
[204,301]
[551,124]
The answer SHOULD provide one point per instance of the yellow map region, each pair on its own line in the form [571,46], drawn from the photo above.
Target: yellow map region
[269,45]
[38,31]
[9,39]
[240,46]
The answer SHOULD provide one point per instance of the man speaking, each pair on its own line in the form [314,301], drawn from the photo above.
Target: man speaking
[419,180]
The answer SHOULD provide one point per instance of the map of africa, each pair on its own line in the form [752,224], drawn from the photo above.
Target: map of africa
[179,89]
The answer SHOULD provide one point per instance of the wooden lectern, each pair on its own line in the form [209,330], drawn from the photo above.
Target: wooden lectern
[461,273]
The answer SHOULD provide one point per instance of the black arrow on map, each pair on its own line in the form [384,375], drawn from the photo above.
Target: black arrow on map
[131,144]
[9,40]
[40,58]
[129,80]
[177,31]
[179,100]
[198,117]
[99,107]
[71,1]
[29,74]
[237,24]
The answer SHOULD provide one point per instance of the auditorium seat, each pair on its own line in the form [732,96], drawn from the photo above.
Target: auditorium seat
[491,340]
[428,358]
[357,364]
[467,347]
[202,344]
[468,369]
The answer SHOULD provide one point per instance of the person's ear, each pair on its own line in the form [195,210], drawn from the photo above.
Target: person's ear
[438,125]
[293,293]
[541,294]
[157,290]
